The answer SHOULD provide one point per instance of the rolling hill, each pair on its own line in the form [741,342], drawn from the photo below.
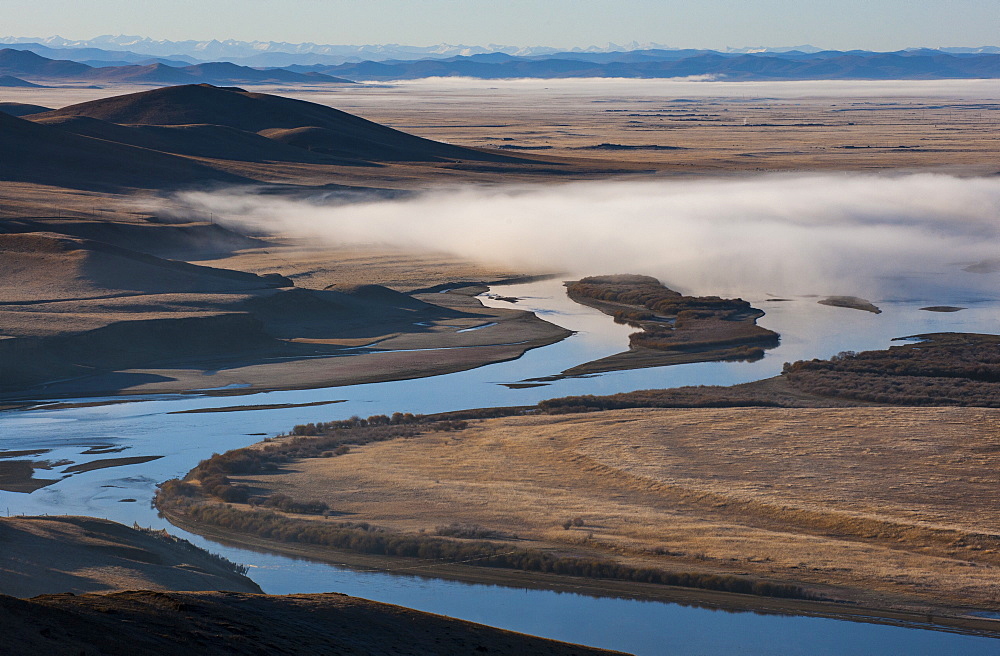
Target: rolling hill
[148,139]
[11,81]
[22,109]
[44,154]
[43,266]
[309,127]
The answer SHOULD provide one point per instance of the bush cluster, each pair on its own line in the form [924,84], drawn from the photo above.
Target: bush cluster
[943,369]
[285,503]
[270,525]
[472,532]
[164,536]
[701,396]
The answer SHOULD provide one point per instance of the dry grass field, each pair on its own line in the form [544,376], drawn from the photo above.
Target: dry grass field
[700,127]
[888,507]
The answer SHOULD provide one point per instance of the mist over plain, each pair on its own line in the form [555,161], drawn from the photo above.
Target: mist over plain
[710,86]
[902,237]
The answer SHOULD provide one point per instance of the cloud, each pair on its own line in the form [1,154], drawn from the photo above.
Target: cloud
[882,237]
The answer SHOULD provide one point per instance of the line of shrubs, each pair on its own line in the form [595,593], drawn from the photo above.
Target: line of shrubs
[701,396]
[163,535]
[942,369]
[270,525]
[472,532]
[325,439]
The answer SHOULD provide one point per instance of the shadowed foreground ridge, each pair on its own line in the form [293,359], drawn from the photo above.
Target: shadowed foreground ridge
[45,555]
[182,624]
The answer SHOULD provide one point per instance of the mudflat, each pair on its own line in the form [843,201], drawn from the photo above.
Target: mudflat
[99,317]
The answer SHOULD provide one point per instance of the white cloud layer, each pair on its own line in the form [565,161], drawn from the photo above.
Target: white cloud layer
[880,237]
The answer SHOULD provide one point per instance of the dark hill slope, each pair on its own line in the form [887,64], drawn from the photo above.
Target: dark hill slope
[48,155]
[26,63]
[39,267]
[56,554]
[11,81]
[186,623]
[226,71]
[22,109]
[213,141]
[334,131]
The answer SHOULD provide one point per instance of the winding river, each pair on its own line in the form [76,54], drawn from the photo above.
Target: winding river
[149,426]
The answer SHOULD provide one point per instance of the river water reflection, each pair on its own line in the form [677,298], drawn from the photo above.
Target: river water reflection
[146,428]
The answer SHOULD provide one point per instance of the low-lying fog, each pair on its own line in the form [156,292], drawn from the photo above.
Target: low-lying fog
[709,86]
[879,237]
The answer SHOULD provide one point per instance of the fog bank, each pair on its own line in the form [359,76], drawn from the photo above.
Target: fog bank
[712,86]
[902,237]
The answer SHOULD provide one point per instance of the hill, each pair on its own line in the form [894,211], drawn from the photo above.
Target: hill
[47,266]
[306,125]
[211,141]
[145,139]
[48,155]
[11,81]
[26,63]
[45,555]
[181,624]
[22,109]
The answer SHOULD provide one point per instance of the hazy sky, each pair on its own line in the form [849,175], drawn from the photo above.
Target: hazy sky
[841,24]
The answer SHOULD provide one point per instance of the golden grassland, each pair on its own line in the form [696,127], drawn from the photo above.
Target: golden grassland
[735,129]
[886,507]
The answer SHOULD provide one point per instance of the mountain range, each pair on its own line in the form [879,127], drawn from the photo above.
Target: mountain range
[26,65]
[792,65]
[23,62]
[123,49]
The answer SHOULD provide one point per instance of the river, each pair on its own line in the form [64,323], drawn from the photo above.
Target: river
[146,426]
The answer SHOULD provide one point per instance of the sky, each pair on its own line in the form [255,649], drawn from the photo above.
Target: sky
[834,24]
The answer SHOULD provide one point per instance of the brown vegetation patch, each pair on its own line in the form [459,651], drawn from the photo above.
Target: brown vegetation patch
[887,505]
[940,369]
[196,499]
[676,329]
[18,476]
[852,302]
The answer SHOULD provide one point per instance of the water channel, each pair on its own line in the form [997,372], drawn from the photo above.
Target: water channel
[147,426]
